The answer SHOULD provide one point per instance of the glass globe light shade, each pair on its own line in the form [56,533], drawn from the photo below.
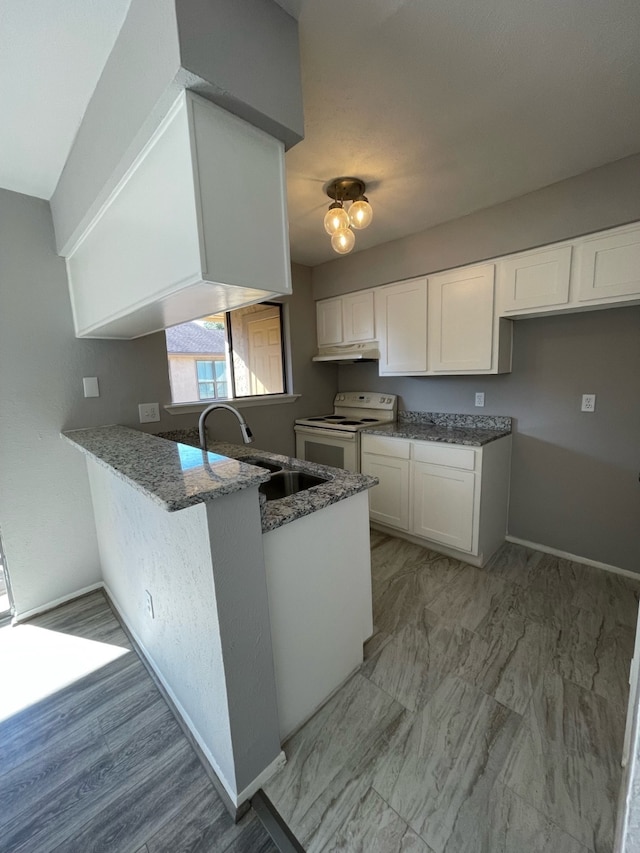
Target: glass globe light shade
[360,213]
[336,217]
[343,241]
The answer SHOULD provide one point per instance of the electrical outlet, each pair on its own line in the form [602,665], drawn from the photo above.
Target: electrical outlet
[149,412]
[148,601]
[479,398]
[588,403]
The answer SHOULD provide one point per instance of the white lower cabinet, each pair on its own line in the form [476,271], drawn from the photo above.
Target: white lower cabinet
[443,504]
[452,497]
[388,460]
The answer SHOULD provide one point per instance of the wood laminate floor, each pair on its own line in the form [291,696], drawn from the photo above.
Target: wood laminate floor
[488,716]
[91,757]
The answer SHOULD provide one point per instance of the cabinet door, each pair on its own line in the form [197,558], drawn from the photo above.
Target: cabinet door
[389,500]
[443,504]
[535,280]
[357,317]
[401,321]
[609,267]
[329,322]
[461,308]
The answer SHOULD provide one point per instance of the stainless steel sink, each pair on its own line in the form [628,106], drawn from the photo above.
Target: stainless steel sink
[285,483]
[261,463]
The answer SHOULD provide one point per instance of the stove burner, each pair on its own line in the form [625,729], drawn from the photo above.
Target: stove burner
[368,420]
[335,418]
[321,418]
[350,423]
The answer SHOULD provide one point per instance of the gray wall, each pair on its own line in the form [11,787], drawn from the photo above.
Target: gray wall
[135,89]
[592,201]
[46,522]
[243,55]
[574,480]
[249,51]
[272,426]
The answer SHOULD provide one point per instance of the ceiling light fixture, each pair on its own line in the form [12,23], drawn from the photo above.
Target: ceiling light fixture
[338,222]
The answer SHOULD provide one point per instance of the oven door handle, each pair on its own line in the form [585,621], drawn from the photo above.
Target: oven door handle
[330,433]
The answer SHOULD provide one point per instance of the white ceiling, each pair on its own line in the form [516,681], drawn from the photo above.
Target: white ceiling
[52,53]
[441,107]
[449,107]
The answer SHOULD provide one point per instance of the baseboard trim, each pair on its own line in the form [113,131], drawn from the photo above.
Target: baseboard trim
[270,770]
[51,605]
[466,557]
[206,759]
[574,558]
[236,803]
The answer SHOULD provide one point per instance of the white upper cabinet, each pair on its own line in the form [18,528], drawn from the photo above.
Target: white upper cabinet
[461,318]
[329,322]
[609,266]
[197,225]
[596,271]
[346,319]
[534,279]
[401,323]
[357,317]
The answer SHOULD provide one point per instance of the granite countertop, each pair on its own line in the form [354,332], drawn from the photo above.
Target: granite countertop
[174,476]
[340,484]
[171,470]
[469,430]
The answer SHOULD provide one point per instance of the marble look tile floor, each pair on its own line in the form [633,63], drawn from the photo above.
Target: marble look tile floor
[488,716]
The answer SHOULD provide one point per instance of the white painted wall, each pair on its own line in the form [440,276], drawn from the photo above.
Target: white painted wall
[209,639]
[144,547]
[319,584]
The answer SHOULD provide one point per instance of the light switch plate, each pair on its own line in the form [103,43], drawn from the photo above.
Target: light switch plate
[479,398]
[90,385]
[149,412]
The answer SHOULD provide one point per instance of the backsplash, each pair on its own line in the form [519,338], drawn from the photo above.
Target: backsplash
[445,419]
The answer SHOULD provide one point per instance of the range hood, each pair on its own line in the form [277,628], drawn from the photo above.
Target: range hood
[349,353]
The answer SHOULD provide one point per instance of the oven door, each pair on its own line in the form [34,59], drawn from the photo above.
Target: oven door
[328,447]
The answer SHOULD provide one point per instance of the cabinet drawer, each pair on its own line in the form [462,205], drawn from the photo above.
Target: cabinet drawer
[386,446]
[442,454]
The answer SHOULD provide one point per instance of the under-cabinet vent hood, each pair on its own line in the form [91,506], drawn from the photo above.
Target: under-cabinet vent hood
[349,353]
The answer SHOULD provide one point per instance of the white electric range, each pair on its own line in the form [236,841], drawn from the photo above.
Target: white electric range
[334,439]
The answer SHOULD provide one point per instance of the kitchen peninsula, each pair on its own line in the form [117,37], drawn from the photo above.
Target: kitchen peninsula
[229,596]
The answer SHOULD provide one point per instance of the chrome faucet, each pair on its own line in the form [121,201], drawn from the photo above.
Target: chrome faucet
[247,435]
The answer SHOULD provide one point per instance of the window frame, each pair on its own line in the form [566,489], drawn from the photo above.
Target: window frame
[283,359]
[214,380]
[284,396]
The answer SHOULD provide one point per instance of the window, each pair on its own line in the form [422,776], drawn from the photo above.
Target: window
[226,356]
[212,379]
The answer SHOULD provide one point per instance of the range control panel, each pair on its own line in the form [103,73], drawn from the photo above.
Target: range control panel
[365,400]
